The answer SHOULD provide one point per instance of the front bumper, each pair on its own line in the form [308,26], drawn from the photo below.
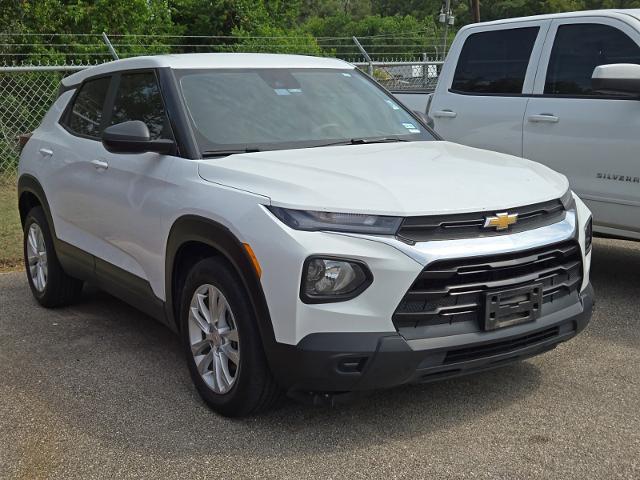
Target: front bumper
[347,362]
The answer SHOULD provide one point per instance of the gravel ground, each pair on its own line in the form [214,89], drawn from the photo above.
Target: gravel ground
[99,390]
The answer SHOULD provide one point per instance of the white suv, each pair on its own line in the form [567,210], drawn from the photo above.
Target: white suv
[297,227]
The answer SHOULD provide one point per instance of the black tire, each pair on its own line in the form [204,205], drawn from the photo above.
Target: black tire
[254,389]
[60,289]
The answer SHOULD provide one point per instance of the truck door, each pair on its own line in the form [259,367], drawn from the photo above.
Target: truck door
[591,137]
[479,98]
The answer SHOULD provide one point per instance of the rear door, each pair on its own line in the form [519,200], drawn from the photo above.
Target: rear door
[481,100]
[70,181]
[590,137]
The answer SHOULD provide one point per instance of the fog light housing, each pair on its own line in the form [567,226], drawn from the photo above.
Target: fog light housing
[329,279]
[588,235]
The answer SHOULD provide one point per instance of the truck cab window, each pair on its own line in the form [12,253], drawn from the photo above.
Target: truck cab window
[495,62]
[578,49]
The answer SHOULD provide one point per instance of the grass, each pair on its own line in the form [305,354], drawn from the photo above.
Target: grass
[10,228]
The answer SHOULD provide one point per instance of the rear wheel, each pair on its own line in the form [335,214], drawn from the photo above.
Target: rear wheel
[220,335]
[49,283]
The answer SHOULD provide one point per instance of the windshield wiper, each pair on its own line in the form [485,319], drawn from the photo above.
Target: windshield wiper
[225,153]
[364,141]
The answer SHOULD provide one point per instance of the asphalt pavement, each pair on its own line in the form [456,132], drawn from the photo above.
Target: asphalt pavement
[99,390]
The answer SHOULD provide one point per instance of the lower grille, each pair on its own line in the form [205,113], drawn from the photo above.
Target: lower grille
[497,348]
[449,292]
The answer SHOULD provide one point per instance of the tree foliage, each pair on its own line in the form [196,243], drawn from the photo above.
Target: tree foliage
[292,20]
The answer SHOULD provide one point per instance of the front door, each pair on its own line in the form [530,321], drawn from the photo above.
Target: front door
[131,187]
[591,137]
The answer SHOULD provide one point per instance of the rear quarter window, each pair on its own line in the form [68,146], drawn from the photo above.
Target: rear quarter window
[495,62]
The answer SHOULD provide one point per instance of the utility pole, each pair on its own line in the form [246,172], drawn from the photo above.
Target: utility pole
[446,17]
[475,10]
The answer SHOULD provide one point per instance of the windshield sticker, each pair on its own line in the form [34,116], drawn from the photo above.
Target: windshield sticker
[392,105]
[346,74]
[281,91]
[411,127]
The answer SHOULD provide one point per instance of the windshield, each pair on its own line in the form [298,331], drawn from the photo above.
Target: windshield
[270,109]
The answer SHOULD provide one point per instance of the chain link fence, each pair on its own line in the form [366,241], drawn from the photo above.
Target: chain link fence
[25,96]
[29,82]
[398,76]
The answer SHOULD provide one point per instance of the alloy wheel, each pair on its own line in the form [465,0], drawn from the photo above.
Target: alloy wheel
[37,257]
[213,335]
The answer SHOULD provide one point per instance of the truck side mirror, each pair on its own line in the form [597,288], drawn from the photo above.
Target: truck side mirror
[618,78]
[425,118]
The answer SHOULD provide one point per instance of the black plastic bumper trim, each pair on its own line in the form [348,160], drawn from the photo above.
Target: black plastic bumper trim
[349,362]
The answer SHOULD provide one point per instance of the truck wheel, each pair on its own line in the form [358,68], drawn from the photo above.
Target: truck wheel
[220,335]
[49,283]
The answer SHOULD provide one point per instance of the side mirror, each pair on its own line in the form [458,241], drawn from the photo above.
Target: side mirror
[426,119]
[618,78]
[133,137]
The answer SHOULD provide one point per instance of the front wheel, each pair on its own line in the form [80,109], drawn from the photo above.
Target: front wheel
[220,335]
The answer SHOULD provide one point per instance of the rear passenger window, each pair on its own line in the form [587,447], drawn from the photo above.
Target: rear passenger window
[578,49]
[495,62]
[139,98]
[85,116]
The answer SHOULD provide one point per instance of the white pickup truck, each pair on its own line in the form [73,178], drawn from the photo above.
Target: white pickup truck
[562,90]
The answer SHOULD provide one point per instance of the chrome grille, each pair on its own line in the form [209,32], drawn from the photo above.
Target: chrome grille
[450,292]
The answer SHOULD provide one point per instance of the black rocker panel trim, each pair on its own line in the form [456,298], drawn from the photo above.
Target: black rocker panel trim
[131,289]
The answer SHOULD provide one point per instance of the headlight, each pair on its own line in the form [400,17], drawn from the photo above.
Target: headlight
[588,235]
[338,222]
[333,280]
[568,201]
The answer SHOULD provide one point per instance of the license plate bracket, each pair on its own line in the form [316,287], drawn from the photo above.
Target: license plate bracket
[505,308]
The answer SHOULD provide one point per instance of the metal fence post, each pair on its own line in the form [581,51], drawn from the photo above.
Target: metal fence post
[425,70]
[365,55]
[112,50]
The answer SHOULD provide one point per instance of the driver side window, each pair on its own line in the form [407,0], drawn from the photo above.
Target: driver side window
[581,47]
[139,98]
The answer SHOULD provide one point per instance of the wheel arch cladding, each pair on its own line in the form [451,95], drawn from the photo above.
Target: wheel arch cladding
[30,195]
[192,238]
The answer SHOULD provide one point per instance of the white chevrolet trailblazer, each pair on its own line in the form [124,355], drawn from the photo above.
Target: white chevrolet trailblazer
[298,228]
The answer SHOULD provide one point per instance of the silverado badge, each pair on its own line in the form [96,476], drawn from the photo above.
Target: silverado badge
[501,221]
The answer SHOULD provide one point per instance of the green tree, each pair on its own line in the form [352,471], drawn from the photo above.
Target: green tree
[392,36]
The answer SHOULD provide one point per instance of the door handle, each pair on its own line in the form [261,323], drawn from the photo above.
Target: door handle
[445,114]
[45,152]
[100,164]
[543,117]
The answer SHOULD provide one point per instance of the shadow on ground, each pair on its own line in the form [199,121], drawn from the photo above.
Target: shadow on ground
[108,370]
[119,376]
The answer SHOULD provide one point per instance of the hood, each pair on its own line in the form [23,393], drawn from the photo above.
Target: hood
[403,179]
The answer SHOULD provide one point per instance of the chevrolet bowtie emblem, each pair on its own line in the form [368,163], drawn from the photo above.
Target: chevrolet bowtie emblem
[501,221]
